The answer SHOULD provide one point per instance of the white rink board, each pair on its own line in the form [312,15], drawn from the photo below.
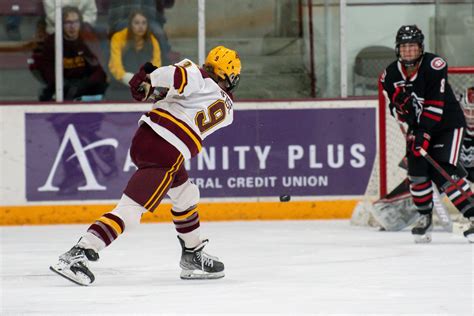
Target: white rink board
[283,267]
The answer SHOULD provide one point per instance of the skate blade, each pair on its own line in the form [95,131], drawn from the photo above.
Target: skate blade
[200,275]
[79,278]
[422,239]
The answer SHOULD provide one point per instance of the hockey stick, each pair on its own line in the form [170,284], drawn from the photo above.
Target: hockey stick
[438,167]
[445,175]
[441,211]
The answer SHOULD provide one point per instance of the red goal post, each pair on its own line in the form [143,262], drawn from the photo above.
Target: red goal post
[389,174]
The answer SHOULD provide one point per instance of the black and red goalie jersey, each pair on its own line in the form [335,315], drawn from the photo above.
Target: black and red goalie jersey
[433,105]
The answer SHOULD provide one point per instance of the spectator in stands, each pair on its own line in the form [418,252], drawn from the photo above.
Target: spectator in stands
[154,12]
[83,74]
[131,46]
[88,9]
[89,34]
[37,46]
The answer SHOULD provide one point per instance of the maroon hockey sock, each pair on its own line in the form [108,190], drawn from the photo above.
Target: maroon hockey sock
[186,221]
[107,228]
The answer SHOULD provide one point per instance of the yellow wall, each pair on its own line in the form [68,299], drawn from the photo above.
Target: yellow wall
[71,214]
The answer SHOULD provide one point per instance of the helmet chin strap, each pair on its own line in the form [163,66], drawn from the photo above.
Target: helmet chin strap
[410,63]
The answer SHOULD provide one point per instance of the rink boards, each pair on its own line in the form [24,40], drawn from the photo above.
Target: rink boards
[69,163]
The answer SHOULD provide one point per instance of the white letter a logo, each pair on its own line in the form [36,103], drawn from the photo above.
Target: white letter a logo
[80,152]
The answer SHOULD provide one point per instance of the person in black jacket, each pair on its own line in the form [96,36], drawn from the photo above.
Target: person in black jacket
[83,74]
[420,96]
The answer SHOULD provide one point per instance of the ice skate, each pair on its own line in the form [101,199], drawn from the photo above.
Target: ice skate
[73,265]
[196,264]
[469,233]
[422,229]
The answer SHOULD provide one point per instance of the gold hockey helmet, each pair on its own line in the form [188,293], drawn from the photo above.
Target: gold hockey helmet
[225,64]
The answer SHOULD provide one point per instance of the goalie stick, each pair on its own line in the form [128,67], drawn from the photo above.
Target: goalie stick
[440,209]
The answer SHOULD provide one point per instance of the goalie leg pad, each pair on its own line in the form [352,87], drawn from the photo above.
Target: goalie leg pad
[396,210]
[460,201]
[395,215]
[441,211]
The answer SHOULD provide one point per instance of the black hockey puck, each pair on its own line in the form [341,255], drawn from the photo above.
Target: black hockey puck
[285,198]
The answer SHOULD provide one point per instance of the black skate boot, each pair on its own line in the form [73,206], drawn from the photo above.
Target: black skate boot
[422,229]
[197,264]
[469,233]
[73,265]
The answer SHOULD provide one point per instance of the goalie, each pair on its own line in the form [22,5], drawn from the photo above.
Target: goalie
[467,151]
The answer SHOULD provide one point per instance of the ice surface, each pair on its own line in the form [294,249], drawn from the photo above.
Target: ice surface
[275,267]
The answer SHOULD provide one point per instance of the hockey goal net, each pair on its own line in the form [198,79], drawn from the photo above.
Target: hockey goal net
[387,174]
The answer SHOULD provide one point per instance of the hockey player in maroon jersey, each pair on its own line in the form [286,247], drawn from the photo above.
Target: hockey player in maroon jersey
[420,96]
[192,104]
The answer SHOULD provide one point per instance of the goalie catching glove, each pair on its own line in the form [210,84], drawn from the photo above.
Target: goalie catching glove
[140,84]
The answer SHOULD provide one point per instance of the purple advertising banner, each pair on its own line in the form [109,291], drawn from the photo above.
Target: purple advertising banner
[264,153]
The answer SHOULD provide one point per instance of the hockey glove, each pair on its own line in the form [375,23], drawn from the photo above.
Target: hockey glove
[401,97]
[401,102]
[421,139]
[140,84]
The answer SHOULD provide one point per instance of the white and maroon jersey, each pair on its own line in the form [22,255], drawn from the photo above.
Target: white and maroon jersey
[194,107]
